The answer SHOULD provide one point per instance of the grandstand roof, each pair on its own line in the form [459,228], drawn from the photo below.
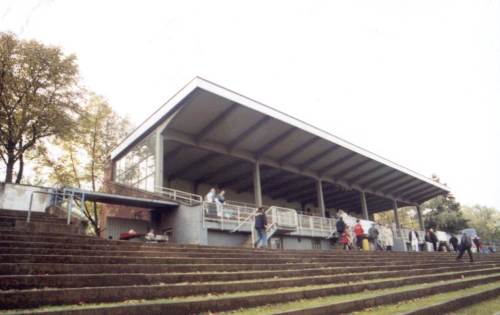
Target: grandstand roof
[215,135]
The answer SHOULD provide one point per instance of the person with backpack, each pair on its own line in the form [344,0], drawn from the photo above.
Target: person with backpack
[465,245]
[432,238]
[454,243]
[373,235]
[260,226]
[358,231]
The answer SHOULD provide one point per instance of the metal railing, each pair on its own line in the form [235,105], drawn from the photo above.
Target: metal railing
[316,226]
[227,215]
[67,195]
[180,196]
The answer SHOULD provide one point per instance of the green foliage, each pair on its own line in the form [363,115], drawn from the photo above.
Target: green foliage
[78,157]
[407,217]
[443,213]
[485,220]
[38,93]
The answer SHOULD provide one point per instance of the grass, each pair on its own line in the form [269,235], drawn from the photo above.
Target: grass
[407,306]
[489,307]
[311,303]
[257,310]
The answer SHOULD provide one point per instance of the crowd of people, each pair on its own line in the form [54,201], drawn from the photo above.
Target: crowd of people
[376,238]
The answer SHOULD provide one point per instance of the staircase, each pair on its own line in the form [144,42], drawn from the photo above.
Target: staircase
[279,220]
[52,272]
[40,222]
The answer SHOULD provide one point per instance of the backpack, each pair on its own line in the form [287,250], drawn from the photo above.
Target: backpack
[466,242]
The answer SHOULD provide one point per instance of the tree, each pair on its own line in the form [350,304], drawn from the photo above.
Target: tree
[407,217]
[38,92]
[443,213]
[485,220]
[84,152]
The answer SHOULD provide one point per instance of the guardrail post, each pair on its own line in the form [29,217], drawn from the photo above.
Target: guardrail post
[311,225]
[70,206]
[28,218]
[221,219]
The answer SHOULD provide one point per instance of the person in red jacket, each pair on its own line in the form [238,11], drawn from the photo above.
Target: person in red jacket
[358,231]
[345,239]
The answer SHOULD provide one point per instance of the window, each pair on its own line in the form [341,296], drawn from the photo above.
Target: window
[137,167]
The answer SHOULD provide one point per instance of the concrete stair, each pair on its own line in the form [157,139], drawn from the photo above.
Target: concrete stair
[39,222]
[66,273]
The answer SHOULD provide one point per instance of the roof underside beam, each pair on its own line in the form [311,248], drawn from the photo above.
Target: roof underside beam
[364,174]
[337,162]
[319,156]
[268,146]
[299,149]
[180,137]
[351,169]
[214,123]
[245,134]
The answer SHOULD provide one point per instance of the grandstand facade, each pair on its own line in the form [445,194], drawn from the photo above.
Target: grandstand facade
[208,136]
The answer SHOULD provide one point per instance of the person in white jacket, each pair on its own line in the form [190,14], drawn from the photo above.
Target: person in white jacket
[413,237]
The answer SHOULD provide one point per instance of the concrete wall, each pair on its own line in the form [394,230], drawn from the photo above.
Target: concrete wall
[17,197]
[186,223]
[246,197]
[217,238]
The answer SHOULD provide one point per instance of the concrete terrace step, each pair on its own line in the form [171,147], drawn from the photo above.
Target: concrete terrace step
[49,268]
[415,287]
[36,298]
[22,282]
[187,253]
[93,244]
[90,243]
[102,259]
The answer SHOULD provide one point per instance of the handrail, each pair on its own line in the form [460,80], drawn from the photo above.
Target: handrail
[64,194]
[244,221]
[179,195]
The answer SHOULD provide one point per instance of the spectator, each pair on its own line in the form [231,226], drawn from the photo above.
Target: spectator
[260,226]
[219,202]
[345,239]
[432,238]
[373,235]
[388,238]
[210,199]
[150,236]
[210,196]
[465,245]
[477,243]
[454,242]
[340,226]
[358,231]
[413,237]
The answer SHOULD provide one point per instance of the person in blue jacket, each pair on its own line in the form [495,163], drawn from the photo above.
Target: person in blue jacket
[260,226]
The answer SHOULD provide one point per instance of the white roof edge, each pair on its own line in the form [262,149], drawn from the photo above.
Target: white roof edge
[198,82]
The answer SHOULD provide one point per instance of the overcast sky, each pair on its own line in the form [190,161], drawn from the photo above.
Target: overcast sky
[417,82]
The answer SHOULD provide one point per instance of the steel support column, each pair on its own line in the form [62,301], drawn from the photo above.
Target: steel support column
[420,219]
[321,198]
[257,189]
[396,217]
[159,143]
[364,206]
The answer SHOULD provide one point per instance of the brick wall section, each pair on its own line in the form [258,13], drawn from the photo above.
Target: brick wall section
[126,212]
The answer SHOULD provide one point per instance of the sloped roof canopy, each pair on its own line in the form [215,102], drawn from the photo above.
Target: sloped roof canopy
[214,135]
